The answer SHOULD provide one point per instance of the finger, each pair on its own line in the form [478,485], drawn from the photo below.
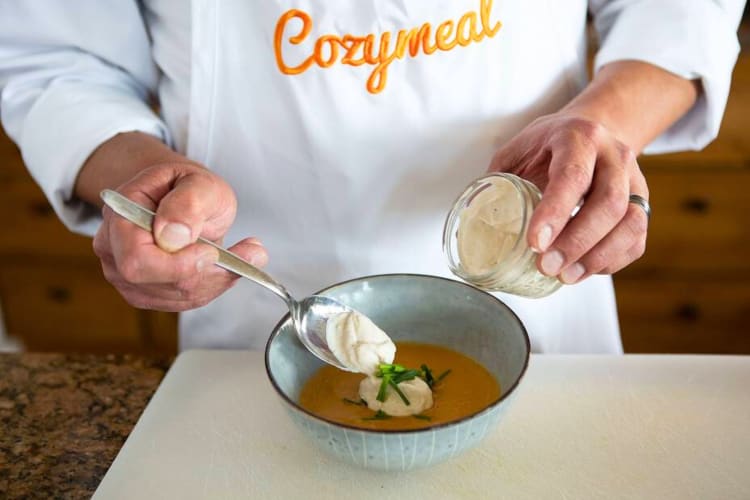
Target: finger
[636,222]
[605,206]
[135,296]
[508,157]
[140,261]
[215,280]
[103,249]
[249,249]
[193,291]
[164,297]
[631,255]
[198,204]
[252,250]
[167,279]
[524,159]
[637,218]
[139,299]
[100,243]
[570,174]
[201,288]
[188,287]
[153,292]
[638,184]
[623,245]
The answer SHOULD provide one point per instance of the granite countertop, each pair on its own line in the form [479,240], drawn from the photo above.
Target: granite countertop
[63,418]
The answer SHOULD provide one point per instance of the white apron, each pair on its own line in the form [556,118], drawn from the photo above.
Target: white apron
[345,169]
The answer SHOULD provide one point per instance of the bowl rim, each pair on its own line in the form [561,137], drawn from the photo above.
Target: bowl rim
[277,329]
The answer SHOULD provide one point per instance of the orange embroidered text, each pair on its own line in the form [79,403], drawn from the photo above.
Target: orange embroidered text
[353,50]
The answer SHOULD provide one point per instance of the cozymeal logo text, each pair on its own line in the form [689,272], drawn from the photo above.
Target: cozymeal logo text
[378,51]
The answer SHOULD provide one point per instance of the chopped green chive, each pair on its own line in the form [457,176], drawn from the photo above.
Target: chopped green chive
[395,374]
[428,375]
[383,386]
[444,374]
[398,391]
[361,402]
[422,417]
[386,369]
[379,415]
[405,375]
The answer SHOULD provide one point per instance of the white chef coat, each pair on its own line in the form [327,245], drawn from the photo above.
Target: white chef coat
[338,179]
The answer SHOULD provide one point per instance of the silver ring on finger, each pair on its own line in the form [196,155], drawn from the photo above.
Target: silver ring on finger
[641,202]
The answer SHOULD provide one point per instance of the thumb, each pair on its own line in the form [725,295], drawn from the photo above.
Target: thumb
[198,204]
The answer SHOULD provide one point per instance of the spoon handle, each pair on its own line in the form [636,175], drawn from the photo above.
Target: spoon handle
[144,218]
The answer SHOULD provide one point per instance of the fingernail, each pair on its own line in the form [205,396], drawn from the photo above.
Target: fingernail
[552,262]
[544,238]
[174,236]
[259,259]
[572,274]
[206,260]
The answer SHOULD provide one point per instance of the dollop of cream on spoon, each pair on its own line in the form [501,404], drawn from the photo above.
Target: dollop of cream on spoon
[358,343]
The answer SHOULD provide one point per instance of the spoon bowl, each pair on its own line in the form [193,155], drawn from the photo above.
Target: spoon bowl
[309,316]
[310,319]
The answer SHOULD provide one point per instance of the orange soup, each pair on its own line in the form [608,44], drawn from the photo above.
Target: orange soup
[467,388]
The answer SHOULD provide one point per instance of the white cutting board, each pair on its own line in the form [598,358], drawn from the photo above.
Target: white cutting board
[581,427]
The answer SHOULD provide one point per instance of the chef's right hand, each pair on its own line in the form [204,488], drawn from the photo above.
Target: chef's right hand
[167,270]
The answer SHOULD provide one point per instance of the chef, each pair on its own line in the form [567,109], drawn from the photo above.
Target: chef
[331,137]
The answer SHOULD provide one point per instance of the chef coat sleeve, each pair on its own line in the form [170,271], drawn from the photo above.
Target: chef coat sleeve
[72,75]
[695,39]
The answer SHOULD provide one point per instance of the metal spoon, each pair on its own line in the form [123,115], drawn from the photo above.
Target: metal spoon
[309,315]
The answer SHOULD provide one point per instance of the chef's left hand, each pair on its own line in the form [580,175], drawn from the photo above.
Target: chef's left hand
[571,158]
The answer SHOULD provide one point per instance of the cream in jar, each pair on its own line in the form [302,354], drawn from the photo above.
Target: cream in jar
[485,237]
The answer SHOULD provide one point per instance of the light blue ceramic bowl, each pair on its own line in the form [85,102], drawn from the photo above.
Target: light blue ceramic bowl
[422,309]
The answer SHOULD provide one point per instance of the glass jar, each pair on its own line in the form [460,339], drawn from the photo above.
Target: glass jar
[484,238]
